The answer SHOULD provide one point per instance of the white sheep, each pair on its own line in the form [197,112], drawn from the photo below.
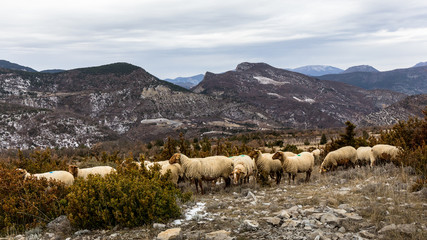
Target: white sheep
[85,172]
[176,172]
[381,153]
[127,163]
[149,165]
[204,169]
[317,155]
[244,167]
[60,176]
[266,165]
[303,162]
[364,156]
[345,156]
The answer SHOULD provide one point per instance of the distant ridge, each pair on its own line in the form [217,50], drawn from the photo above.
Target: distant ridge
[14,66]
[317,70]
[360,68]
[420,64]
[186,82]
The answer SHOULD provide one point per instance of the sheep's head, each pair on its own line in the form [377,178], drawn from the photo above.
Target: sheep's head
[254,154]
[322,169]
[236,175]
[22,173]
[279,155]
[176,158]
[74,170]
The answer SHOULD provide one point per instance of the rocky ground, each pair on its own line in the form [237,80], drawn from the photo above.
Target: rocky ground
[359,203]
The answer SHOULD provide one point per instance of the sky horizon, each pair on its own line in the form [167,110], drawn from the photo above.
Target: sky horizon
[181,38]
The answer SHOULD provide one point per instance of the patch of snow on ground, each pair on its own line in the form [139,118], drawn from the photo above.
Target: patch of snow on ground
[309,100]
[161,121]
[266,80]
[199,210]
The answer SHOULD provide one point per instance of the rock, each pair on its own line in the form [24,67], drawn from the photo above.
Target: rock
[275,221]
[366,234]
[218,235]
[341,212]
[387,228]
[330,218]
[159,225]
[250,225]
[290,223]
[407,228]
[82,232]
[251,195]
[341,229]
[293,211]
[316,235]
[283,214]
[170,234]
[353,216]
[60,224]
[19,237]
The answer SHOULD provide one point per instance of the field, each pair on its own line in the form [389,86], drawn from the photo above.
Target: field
[360,203]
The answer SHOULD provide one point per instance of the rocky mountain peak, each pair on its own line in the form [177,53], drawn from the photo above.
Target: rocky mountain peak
[247,65]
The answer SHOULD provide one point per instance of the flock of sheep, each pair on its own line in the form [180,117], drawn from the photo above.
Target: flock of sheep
[241,168]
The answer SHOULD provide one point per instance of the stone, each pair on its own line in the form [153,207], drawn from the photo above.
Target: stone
[251,195]
[330,218]
[341,230]
[250,225]
[387,228]
[82,232]
[366,234]
[290,223]
[170,234]
[218,235]
[59,224]
[407,228]
[283,214]
[159,225]
[353,216]
[275,221]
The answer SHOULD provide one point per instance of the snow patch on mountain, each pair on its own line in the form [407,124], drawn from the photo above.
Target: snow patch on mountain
[266,80]
[309,100]
[275,95]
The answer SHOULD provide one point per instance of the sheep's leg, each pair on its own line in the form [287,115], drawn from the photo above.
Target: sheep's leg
[289,178]
[201,187]
[279,177]
[307,176]
[227,182]
[196,182]
[293,178]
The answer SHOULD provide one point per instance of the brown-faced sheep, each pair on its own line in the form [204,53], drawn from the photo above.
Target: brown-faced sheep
[85,172]
[244,167]
[266,165]
[345,156]
[204,169]
[303,162]
[61,176]
[382,153]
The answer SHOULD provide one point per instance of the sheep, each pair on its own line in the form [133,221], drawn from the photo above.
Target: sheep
[317,154]
[303,162]
[60,176]
[85,172]
[176,172]
[266,165]
[364,156]
[127,163]
[345,156]
[244,167]
[148,165]
[207,169]
[381,153]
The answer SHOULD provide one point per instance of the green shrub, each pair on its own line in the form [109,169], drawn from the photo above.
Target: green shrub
[129,198]
[40,161]
[29,203]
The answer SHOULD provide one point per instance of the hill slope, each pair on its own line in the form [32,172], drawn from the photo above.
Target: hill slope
[295,100]
[409,81]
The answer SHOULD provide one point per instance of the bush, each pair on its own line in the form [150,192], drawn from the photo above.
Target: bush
[29,203]
[40,161]
[129,198]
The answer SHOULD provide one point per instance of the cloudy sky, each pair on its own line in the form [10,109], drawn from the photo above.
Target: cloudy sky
[171,38]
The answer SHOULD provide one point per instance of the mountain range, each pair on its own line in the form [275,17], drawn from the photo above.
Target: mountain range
[186,82]
[122,101]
